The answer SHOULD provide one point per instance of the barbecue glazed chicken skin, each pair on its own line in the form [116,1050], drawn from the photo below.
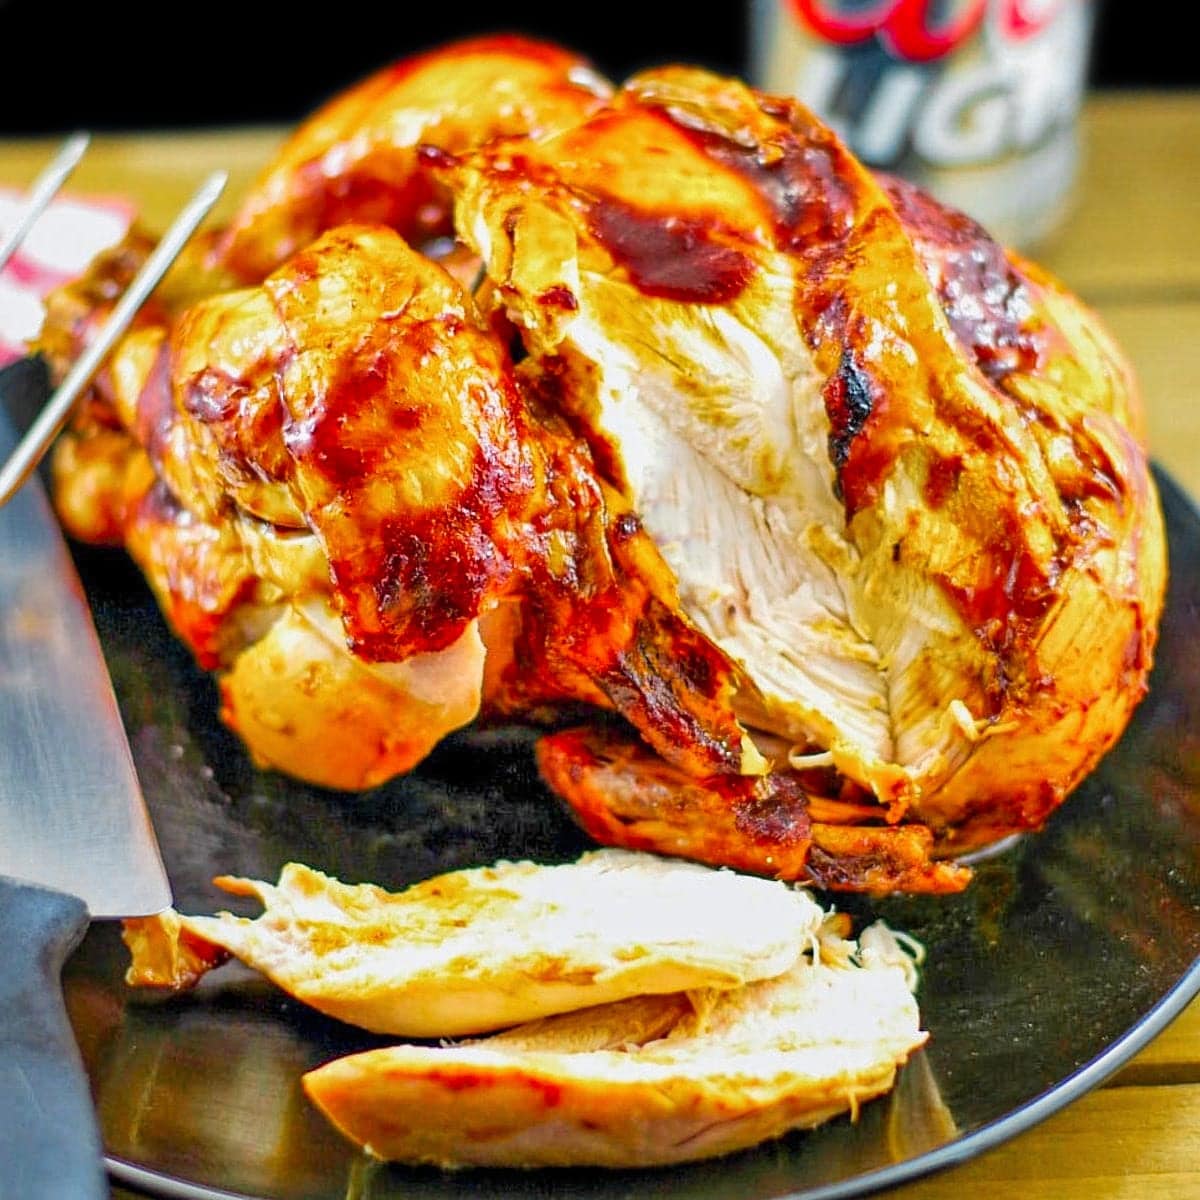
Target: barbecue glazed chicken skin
[896,474]
[334,477]
[356,159]
[269,429]
[842,509]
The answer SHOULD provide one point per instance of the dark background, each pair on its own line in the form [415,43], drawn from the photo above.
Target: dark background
[141,65]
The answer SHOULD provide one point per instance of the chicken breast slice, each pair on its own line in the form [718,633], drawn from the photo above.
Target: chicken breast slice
[643,1082]
[490,947]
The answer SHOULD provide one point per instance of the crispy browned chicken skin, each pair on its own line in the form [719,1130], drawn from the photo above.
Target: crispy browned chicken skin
[840,507]
[357,158]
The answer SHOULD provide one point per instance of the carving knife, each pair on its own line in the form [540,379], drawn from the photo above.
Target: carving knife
[75,837]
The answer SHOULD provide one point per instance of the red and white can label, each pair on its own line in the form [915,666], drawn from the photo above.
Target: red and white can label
[976,99]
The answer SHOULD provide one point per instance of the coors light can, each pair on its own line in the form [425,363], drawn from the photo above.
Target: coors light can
[976,100]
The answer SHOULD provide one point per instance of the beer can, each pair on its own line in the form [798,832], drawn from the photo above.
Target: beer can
[976,100]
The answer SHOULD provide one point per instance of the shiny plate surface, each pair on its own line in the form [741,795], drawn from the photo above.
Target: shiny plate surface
[1067,954]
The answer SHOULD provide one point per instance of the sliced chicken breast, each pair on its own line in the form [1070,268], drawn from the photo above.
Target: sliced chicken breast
[644,1082]
[485,948]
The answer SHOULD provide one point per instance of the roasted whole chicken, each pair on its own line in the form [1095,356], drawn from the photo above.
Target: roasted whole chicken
[509,394]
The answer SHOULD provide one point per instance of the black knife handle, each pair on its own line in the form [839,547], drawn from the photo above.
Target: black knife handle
[49,1140]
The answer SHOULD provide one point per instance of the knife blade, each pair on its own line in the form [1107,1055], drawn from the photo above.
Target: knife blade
[75,837]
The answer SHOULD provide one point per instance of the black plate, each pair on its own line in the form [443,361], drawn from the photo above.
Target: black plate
[1066,955]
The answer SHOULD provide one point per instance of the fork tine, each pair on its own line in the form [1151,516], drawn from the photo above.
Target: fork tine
[44,189]
[50,420]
